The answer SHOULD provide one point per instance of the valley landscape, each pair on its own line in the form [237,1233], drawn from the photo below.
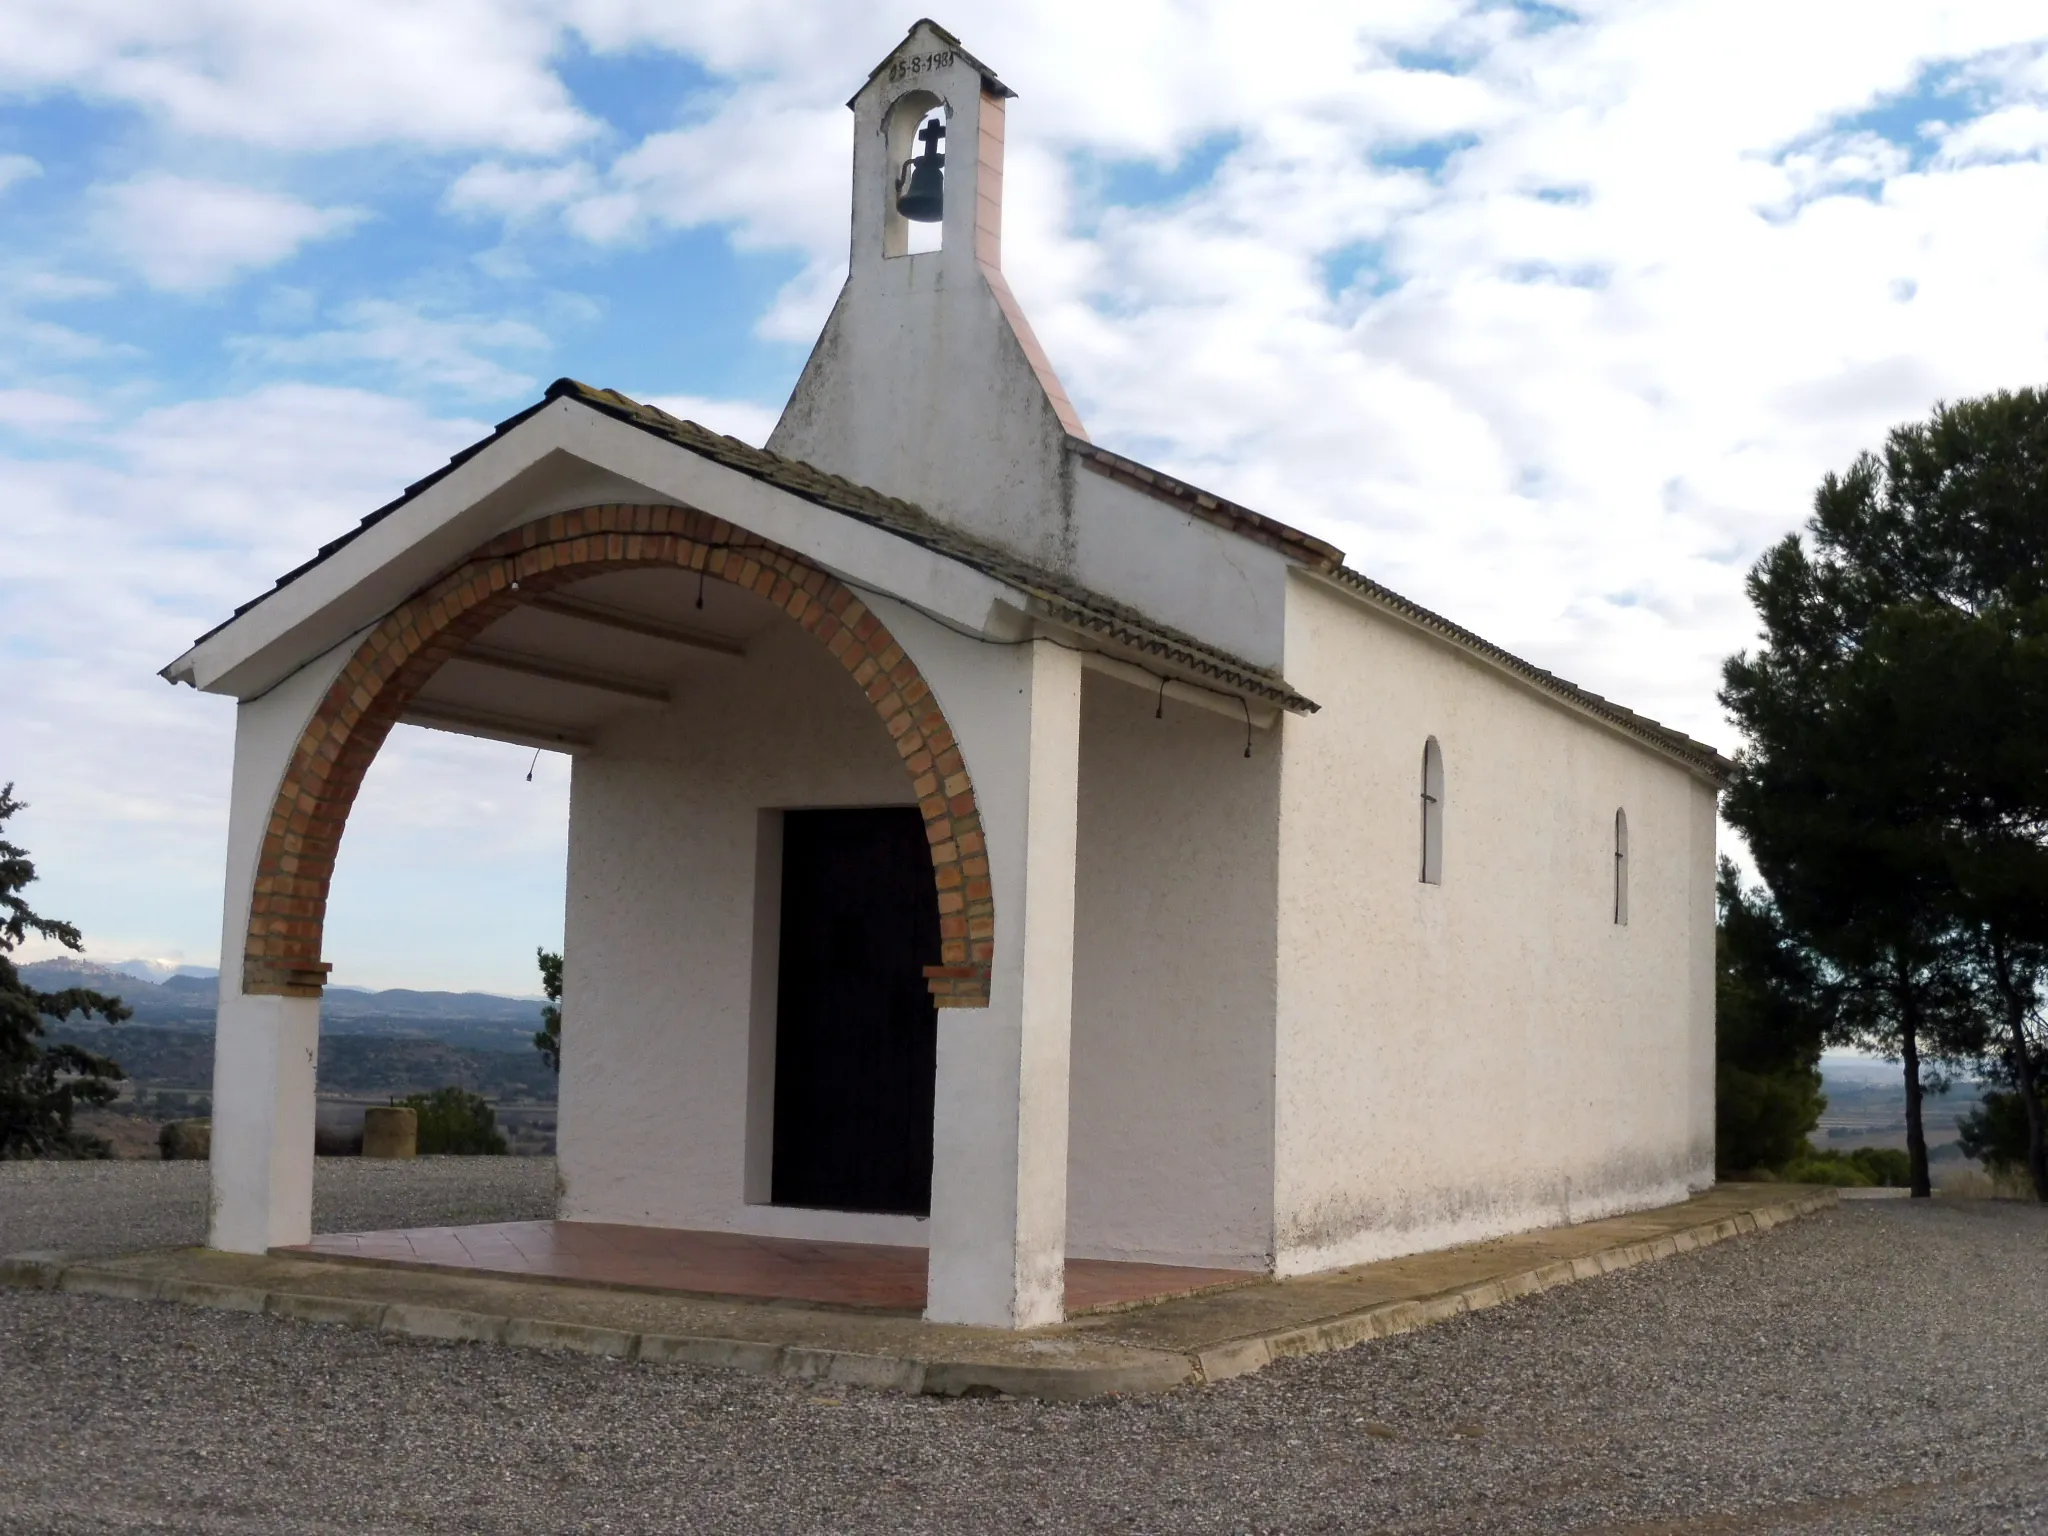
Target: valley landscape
[374,1047]
[377,1046]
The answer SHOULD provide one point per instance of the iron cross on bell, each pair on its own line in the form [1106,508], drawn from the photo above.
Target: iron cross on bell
[923,201]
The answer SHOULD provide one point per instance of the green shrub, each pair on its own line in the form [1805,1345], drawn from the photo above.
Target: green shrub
[454,1120]
[1820,1169]
[1888,1167]
[1882,1167]
[1761,1118]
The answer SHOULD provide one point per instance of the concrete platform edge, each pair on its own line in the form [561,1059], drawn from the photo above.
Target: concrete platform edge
[1163,1371]
[1238,1357]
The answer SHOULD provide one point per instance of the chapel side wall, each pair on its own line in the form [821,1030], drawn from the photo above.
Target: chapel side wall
[1493,1053]
[661,916]
[1170,1136]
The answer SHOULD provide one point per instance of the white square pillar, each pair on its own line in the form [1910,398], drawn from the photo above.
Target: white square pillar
[265,1053]
[999,1155]
[265,1049]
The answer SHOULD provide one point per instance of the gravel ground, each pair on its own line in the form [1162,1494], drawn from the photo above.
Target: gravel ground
[97,1208]
[1882,1368]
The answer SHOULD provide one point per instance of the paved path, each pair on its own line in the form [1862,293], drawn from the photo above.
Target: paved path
[1880,1368]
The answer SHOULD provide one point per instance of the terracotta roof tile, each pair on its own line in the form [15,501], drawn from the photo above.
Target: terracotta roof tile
[1053,594]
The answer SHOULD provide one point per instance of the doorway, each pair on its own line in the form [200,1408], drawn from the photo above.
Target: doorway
[856,1030]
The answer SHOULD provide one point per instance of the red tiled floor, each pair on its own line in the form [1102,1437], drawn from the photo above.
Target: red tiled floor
[727,1264]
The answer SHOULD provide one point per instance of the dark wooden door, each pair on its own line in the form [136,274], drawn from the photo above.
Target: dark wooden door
[856,1032]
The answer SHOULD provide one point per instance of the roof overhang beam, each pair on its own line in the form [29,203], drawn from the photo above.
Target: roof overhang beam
[563,605]
[643,689]
[495,726]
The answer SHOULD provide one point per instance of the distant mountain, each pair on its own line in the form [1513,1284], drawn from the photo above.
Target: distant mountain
[183,1059]
[1841,1069]
[55,975]
[346,1002]
[474,1020]
[159,970]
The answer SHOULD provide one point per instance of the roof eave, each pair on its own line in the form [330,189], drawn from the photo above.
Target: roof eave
[1106,620]
[1696,756]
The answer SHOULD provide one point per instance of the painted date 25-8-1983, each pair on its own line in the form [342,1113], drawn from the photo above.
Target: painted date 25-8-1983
[920,64]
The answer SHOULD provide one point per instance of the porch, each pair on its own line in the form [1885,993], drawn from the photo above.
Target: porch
[867,1276]
[826,985]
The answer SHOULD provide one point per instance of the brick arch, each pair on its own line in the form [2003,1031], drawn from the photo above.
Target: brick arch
[287,914]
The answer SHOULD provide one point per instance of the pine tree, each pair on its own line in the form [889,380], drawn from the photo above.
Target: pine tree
[42,1085]
[1773,1013]
[1894,788]
[548,1038]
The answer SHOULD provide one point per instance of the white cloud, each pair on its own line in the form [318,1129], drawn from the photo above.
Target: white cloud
[420,350]
[44,410]
[519,192]
[743,419]
[111,562]
[188,236]
[2015,132]
[15,168]
[1561,379]
[1599,358]
[311,74]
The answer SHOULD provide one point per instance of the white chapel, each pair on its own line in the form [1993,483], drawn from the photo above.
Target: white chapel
[980,842]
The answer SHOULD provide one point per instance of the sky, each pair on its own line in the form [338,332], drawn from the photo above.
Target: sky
[1550,316]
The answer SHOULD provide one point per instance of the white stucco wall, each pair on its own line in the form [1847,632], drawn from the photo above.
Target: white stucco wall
[663,1007]
[1170,1141]
[919,388]
[1493,1053]
[660,989]
[1179,568]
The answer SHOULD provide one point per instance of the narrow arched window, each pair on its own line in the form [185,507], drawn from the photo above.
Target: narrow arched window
[1432,813]
[1621,868]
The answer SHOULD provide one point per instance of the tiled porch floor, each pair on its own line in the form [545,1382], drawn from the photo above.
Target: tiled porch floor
[864,1275]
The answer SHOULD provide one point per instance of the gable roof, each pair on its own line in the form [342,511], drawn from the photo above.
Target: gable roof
[1055,595]
[1663,737]
[1328,560]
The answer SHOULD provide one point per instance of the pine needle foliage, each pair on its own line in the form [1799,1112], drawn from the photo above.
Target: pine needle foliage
[43,1085]
[1894,785]
[548,1038]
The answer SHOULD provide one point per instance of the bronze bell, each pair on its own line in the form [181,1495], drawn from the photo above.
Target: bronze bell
[921,184]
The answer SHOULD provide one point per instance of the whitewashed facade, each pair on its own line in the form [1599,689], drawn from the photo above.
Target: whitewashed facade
[1216,982]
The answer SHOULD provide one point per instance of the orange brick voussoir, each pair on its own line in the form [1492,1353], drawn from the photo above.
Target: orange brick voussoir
[288,909]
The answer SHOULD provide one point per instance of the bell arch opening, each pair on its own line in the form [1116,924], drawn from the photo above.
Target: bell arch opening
[914,200]
[530,565]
